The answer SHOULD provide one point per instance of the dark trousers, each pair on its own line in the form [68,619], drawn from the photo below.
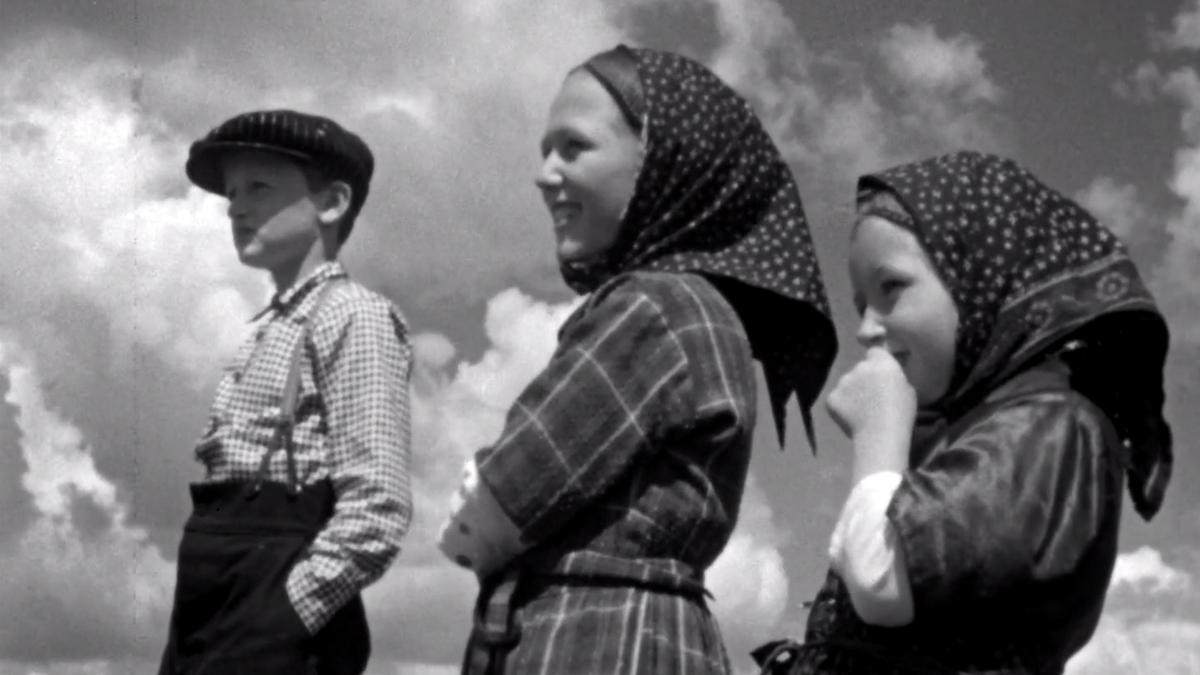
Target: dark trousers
[231,613]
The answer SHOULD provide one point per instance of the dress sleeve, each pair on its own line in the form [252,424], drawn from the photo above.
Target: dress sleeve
[1018,498]
[617,383]
[864,552]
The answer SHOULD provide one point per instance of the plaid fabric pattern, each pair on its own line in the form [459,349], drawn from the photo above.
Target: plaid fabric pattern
[623,464]
[352,426]
[589,630]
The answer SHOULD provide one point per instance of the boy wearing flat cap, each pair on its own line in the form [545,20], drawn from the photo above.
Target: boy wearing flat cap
[306,491]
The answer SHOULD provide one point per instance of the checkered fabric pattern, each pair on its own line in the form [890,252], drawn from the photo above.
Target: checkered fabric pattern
[623,464]
[603,630]
[352,426]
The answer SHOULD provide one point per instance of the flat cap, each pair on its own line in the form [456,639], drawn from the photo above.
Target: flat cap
[338,153]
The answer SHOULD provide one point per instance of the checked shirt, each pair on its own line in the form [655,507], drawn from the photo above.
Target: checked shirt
[352,426]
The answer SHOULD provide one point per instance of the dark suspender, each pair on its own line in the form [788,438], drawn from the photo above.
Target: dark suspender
[287,407]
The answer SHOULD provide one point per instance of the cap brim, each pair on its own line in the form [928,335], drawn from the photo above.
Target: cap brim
[204,160]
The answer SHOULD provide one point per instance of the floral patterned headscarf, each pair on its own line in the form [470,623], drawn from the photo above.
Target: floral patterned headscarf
[714,196]
[1032,272]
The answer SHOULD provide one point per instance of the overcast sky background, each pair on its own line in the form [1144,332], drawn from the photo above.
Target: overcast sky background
[120,295]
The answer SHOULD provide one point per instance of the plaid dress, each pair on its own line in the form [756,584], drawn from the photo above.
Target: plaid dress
[622,465]
[352,426]
[626,458]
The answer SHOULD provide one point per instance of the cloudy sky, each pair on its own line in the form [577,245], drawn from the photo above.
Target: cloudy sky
[120,295]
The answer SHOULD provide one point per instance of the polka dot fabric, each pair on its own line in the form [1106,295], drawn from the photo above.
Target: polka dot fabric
[715,196]
[1028,268]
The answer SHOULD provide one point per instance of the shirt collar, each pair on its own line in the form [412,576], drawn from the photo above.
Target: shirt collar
[292,298]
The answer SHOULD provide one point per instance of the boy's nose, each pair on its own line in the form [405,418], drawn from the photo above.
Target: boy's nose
[236,209]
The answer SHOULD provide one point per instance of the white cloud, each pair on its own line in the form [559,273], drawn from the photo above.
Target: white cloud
[763,55]
[416,669]
[1146,647]
[434,351]
[855,128]
[1184,86]
[399,667]
[1175,279]
[1185,28]
[1144,571]
[422,107]
[96,667]
[1149,624]
[82,589]
[748,580]
[1117,206]
[945,90]
[89,218]
[457,408]
[824,112]
[1141,85]
[951,68]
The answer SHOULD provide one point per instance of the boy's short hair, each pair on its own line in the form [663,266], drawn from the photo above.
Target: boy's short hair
[314,141]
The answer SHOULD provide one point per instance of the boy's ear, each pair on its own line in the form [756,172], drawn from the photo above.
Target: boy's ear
[333,202]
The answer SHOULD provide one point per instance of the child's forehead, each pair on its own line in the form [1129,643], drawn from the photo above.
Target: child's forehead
[583,102]
[878,243]
[879,232]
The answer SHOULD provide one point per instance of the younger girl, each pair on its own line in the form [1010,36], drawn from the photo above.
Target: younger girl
[1013,377]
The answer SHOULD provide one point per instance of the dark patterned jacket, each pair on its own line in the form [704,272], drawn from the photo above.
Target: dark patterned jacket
[1008,521]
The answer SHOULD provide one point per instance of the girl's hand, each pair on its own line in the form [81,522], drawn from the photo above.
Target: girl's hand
[478,534]
[874,400]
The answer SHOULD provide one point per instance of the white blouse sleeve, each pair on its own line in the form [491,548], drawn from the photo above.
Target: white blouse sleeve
[478,535]
[866,555]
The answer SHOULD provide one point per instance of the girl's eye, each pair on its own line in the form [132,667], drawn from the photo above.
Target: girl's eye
[566,148]
[889,286]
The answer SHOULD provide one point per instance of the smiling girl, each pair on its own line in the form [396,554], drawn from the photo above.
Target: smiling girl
[1012,378]
[618,477]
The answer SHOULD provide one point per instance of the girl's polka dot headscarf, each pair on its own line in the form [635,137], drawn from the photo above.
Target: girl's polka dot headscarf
[715,196]
[1030,270]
